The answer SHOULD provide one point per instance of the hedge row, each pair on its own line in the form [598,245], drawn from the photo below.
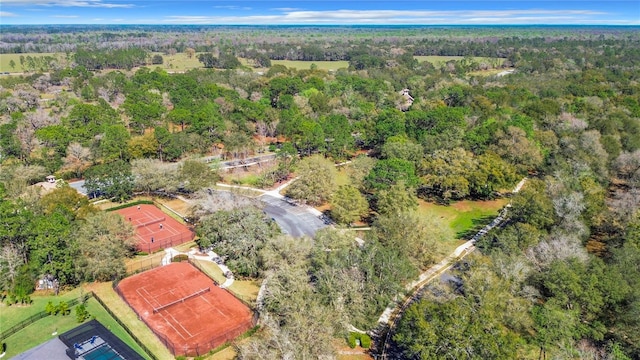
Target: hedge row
[139,202]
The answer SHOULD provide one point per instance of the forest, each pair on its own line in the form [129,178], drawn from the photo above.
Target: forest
[559,279]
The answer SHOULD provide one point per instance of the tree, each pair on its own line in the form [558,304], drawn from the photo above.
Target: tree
[447,173]
[157,59]
[208,60]
[69,199]
[190,52]
[414,236]
[54,248]
[238,236]
[533,206]
[514,146]
[180,116]
[12,64]
[153,175]
[78,159]
[144,107]
[388,172]
[401,147]
[11,260]
[359,168]
[396,200]
[112,180]
[348,205]
[113,145]
[144,146]
[337,133]
[105,239]
[195,175]
[492,174]
[316,180]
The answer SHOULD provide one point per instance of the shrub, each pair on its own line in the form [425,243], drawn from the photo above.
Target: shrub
[351,340]
[180,258]
[81,313]
[51,309]
[365,341]
[63,308]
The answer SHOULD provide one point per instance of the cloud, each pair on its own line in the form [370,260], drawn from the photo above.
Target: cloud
[232,7]
[7,14]
[399,17]
[65,16]
[285,9]
[67,3]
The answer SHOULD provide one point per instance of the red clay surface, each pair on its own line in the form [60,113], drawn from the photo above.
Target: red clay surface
[195,325]
[155,230]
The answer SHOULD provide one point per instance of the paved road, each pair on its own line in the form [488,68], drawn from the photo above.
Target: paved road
[294,220]
[79,186]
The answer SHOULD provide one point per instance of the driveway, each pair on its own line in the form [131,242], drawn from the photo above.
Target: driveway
[79,186]
[296,221]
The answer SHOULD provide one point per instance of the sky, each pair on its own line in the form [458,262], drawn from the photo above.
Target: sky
[315,12]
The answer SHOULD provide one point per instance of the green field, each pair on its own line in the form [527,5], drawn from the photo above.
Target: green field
[305,65]
[47,328]
[181,62]
[5,59]
[464,216]
[439,61]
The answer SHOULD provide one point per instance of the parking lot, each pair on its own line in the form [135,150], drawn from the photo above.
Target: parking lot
[294,220]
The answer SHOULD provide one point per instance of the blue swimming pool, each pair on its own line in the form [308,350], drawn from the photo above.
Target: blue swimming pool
[104,352]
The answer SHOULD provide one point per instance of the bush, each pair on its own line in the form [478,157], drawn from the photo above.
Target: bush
[365,341]
[180,258]
[354,338]
[81,313]
[351,340]
[63,308]
[51,309]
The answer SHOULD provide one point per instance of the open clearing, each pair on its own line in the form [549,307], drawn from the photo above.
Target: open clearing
[439,61]
[5,59]
[464,216]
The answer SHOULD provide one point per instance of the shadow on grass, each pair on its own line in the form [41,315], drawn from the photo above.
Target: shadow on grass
[478,224]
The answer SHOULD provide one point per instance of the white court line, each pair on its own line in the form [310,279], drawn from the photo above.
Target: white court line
[170,228]
[170,324]
[145,297]
[178,322]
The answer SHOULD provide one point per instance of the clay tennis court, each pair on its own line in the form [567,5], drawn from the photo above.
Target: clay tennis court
[155,230]
[185,309]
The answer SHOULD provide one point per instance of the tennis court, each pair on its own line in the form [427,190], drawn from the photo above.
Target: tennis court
[154,229]
[188,312]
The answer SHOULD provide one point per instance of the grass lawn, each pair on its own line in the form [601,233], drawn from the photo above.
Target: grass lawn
[439,61]
[5,59]
[39,332]
[12,315]
[305,65]
[130,319]
[464,216]
[95,309]
[244,289]
[42,330]
[178,62]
